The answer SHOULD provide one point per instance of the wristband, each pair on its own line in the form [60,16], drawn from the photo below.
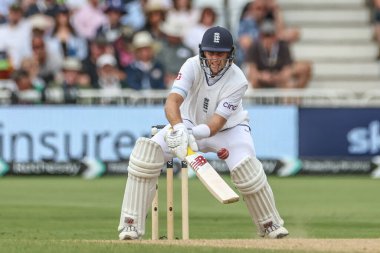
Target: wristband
[201,131]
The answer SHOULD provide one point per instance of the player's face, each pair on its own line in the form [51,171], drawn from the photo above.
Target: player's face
[216,61]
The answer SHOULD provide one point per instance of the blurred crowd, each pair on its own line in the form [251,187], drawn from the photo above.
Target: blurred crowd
[264,43]
[138,44]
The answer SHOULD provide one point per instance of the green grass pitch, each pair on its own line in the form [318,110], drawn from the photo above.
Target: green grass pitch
[67,214]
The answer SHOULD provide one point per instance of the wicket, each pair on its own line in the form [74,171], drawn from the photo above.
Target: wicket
[170,201]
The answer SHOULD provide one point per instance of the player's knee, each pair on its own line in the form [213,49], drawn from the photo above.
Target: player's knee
[147,159]
[249,176]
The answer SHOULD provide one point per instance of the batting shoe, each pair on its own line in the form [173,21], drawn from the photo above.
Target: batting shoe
[128,233]
[274,231]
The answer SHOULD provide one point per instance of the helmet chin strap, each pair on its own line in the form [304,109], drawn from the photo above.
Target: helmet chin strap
[210,77]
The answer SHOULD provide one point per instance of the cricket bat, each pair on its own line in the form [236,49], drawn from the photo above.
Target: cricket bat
[210,178]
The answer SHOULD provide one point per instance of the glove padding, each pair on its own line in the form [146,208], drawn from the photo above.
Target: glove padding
[178,139]
[192,143]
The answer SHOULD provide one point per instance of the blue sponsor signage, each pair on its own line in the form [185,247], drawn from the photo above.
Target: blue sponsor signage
[339,132]
[108,133]
[274,131]
[71,133]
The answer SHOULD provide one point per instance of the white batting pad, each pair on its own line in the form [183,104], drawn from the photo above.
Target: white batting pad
[250,179]
[145,165]
[146,159]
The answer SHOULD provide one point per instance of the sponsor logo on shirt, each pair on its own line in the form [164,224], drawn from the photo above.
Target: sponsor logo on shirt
[230,106]
[179,76]
[205,104]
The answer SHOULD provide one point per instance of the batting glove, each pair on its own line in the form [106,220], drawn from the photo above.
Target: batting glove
[177,140]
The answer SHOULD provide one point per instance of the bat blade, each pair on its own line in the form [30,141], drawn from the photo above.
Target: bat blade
[211,179]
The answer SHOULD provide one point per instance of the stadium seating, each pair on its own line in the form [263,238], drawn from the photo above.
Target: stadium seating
[337,37]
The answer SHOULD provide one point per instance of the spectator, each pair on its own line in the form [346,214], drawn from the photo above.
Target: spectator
[173,53]
[271,65]
[30,66]
[269,60]
[117,34]
[155,12]
[72,80]
[49,62]
[15,36]
[41,25]
[301,70]
[183,14]
[252,15]
[193,37]
[145,72]
[123,47]
[274,14]
[28,92]
[23,81]
[97,47]
[46,7]
[64,34]
[87,19]
[112,29]
[110,78]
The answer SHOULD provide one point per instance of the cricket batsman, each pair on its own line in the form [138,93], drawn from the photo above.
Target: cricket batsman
[204,110]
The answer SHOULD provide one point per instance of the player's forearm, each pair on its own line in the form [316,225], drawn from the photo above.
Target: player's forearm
[172,105]
[216,123]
